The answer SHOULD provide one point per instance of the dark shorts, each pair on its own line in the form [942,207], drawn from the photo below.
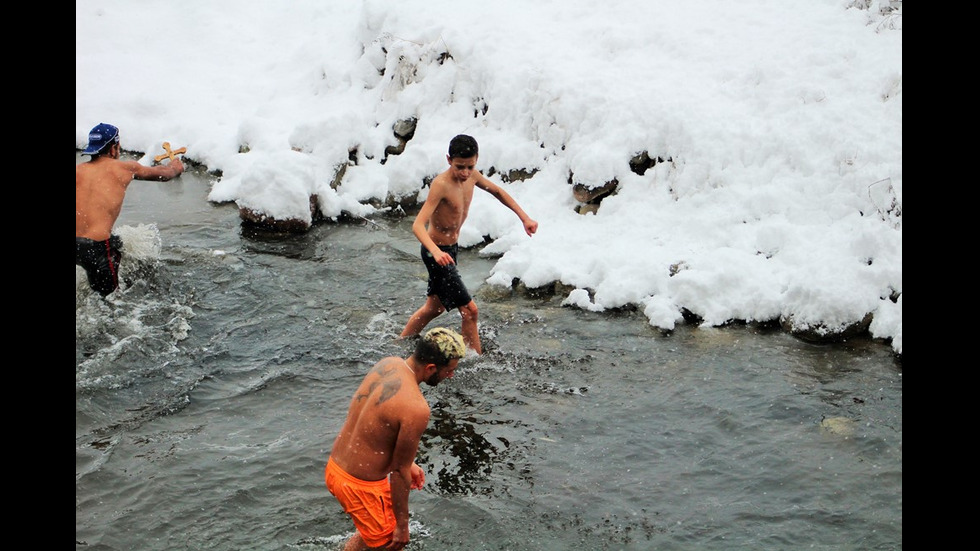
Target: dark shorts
[101,262]
[444,281]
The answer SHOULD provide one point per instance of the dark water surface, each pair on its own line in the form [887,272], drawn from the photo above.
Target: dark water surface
[208,391]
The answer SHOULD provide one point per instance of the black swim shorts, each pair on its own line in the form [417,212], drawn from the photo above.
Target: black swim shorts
[101,262]
[444,281]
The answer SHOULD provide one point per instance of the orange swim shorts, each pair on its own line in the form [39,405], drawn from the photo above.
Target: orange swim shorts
[367,502]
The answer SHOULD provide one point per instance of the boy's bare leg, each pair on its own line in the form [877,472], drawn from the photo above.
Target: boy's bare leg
[426,313]
[471,336]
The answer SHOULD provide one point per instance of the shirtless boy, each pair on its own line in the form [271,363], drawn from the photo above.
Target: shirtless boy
[371,467]
[437,228]
[100,187]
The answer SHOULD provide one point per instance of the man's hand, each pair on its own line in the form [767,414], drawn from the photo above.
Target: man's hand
[177,164]
[399,538]
[418,477]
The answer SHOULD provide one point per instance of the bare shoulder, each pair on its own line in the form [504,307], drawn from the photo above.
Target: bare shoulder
[415,409]
[103,170]
[83,168]
[438,184]
[386,366]
[391,381]
[415,418]
[128,164]
[438,192]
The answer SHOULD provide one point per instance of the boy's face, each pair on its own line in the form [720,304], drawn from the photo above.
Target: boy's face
[462,167]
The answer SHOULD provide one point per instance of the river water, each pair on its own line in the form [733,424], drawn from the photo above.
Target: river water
[209,388]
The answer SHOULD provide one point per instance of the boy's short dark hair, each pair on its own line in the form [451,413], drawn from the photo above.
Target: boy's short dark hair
[463,146]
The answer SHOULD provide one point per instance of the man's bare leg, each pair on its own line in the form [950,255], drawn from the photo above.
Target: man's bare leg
[355,543]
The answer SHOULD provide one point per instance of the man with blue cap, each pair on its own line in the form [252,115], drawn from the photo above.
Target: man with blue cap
[100,187]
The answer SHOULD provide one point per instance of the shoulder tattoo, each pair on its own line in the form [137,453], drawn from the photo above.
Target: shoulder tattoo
[389,382]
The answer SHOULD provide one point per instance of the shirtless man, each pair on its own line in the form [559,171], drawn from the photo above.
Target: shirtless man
[437,228]
[100,187]
[371,467]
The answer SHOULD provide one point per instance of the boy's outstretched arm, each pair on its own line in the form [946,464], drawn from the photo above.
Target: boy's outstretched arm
[530,225]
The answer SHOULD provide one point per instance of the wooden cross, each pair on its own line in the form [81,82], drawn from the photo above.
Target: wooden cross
[169,153]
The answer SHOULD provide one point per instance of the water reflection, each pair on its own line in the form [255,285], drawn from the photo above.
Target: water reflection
[461,458]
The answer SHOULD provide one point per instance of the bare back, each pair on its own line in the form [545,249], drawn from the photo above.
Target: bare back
[100,188]
[385,422]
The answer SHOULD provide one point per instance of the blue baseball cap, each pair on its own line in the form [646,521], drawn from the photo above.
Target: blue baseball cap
[102,135]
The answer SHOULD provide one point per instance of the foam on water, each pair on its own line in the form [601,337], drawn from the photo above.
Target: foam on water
[130,320]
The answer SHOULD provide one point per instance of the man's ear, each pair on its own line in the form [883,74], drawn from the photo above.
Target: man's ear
[449,159]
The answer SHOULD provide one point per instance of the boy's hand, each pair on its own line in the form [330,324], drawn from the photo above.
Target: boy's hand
[530,226]
[443,258]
